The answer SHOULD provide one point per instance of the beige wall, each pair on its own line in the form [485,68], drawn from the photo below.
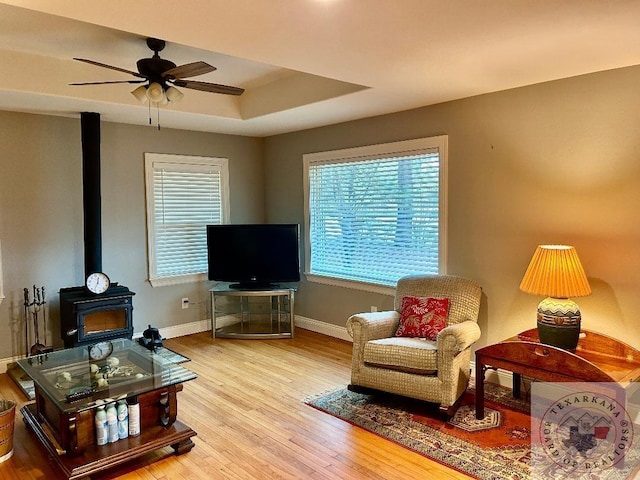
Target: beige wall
[551,163]
[41,226]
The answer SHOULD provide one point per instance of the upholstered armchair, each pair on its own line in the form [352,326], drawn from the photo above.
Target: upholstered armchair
[432,370]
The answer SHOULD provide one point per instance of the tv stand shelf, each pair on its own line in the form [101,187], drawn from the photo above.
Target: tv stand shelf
[252,313]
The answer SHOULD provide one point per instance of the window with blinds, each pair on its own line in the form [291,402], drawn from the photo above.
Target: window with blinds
[375,214]
[184,195]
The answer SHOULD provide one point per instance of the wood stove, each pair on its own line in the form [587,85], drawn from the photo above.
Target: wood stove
[87,317]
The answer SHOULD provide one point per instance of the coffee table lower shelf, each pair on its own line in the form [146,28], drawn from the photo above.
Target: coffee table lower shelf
[97,458]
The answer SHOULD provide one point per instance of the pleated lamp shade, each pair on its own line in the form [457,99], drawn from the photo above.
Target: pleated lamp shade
[556,271]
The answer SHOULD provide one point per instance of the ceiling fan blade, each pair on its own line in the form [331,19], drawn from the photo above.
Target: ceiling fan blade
[188,70]
[209,87]
[110,67]
[102,83]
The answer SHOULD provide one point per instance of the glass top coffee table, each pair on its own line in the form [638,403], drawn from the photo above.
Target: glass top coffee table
[69,382]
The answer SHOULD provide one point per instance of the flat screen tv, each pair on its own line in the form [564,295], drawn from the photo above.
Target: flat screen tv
[253,255]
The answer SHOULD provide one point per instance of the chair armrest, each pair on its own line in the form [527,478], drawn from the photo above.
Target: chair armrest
[459,336]
[372,325]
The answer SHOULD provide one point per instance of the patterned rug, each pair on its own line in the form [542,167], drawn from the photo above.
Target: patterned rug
[497,447]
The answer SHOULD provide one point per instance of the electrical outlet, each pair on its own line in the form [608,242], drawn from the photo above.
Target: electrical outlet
[374,308]
[185,302]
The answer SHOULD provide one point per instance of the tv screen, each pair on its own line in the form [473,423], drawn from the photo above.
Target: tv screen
[253,256]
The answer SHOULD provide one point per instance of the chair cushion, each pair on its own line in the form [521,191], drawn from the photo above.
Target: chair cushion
[413,355]
[422,317]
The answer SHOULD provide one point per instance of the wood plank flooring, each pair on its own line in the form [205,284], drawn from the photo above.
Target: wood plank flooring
[246,406]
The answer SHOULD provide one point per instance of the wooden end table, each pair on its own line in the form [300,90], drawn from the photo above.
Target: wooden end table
[598,358]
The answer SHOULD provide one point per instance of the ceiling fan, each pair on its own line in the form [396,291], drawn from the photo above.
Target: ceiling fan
[161,76]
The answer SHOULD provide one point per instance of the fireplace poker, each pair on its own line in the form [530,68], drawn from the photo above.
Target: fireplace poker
[26,321]
[44,314]
[37,347]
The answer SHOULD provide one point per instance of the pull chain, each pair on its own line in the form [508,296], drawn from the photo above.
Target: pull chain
[157,104]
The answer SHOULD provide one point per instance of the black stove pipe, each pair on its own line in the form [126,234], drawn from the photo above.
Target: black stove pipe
[90,126]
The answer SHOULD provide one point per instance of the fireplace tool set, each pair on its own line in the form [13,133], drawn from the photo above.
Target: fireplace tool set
[33,308]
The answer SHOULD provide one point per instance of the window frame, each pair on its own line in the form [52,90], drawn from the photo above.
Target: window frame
[152,161]
[377,151]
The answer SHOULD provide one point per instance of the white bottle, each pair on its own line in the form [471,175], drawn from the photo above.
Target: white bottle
[112,422]
[102,431]
[134,416]
[123,419]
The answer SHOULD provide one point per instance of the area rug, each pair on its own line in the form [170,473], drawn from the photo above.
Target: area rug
[497,447]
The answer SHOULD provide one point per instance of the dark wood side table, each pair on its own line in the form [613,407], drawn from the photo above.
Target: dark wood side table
[598,358]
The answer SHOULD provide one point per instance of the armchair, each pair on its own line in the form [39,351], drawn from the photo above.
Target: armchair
[436,371]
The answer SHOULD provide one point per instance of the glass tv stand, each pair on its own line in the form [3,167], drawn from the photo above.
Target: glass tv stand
[252,313]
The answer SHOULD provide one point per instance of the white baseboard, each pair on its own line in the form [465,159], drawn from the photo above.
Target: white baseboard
[324,328]
[336,331]
[5,362]
[317,326]
[500,377]
[166,332]
[205,325]
[182,329]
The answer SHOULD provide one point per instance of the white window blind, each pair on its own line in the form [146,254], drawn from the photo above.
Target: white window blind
[375,213]
[187,193]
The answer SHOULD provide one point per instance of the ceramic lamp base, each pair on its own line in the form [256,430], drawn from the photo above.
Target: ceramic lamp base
[559,323]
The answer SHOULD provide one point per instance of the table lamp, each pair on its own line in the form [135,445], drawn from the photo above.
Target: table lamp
[556,271]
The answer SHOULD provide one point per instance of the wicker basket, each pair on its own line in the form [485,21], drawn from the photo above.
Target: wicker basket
[7,421]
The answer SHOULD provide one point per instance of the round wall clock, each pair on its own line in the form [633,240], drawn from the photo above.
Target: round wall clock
[97,282]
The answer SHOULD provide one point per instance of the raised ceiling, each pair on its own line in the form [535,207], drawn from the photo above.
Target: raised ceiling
[303,63]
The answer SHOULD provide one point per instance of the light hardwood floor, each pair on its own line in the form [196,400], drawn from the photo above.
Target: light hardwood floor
[247,408]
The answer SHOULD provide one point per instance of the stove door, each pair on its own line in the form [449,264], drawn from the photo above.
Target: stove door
[98,321]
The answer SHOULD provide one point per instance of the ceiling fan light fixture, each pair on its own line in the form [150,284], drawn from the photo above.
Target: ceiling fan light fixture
[161,75]
[155,93]
[174,95]
[140,93]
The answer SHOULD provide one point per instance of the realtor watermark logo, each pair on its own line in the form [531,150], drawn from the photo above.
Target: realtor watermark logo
[581,429]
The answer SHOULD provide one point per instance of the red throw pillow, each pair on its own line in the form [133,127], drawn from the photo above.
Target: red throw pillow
[422,317]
